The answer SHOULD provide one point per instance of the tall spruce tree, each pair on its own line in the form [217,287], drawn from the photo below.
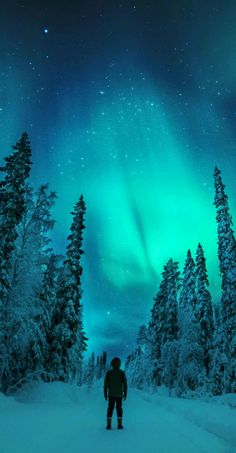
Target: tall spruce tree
[163,324]
[91,370]
[204,310]
[98,368]
[141,337]
[156,327]
[187,296]
[12,207]
[191,355]
[46,303]
[135,371]
[191,373]
[221,356]
[68,341]
[103,363]
[169,348]
[227,259]
[170,328]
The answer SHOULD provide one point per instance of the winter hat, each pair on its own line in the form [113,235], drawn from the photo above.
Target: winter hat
[116,362]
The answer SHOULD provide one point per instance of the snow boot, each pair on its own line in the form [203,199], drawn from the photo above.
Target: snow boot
[120,423]
[108,423]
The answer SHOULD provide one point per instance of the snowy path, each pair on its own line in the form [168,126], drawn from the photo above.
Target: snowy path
[75,423]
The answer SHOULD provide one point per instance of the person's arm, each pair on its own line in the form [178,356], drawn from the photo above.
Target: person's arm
[106,384]
[125,385]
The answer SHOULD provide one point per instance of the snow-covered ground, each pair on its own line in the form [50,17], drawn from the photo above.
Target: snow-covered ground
[59,418]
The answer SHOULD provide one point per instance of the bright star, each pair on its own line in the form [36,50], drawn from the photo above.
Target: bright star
[45,30]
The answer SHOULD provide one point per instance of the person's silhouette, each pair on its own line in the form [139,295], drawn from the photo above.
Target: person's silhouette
[115,387]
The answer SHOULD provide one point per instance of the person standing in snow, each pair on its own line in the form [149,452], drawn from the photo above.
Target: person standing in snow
[115,387]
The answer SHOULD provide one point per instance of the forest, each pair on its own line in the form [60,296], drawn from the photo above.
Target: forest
[189,343]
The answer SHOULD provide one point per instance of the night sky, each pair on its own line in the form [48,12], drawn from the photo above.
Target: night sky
[131,104]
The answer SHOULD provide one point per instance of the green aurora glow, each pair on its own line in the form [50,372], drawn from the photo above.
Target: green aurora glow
[149,202]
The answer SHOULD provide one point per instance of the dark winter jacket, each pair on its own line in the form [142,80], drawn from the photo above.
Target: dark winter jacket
[115,383]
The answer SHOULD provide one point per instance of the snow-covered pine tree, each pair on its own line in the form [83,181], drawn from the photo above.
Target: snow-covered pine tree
[135,369]
[79,348]
[187,296]
[170,362]
[163,324]
[98,368]
[12,207]
[31,254]
[204,310]
[156,327]
[90,375]
[169,349]
[103,363]
[32,250]
[142,334]
[170,327]
[47,300]
[191,373]
[220,377]
[227,259]
[68,341]
[139,365]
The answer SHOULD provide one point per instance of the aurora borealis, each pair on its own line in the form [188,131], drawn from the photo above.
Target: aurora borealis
[133,105]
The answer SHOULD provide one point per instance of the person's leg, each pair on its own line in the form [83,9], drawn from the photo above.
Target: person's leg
[119,411]
[111,404]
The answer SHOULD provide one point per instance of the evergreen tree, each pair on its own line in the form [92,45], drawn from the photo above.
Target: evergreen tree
[169,356]
[156,327]
[12,208]
[12,204]
[142,334]
[170,327]
[135,370]
[32,250]
[227,259]
[187,296]
[47,300]
[77,351]
[103,363]
[204,311]
[68,341]
[30,256]
[191,373]
[170,361]
[220,360]
[163,324]
[98,368]
[101,366]
[90,370]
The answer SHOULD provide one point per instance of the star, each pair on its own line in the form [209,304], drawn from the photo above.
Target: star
[45,31]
